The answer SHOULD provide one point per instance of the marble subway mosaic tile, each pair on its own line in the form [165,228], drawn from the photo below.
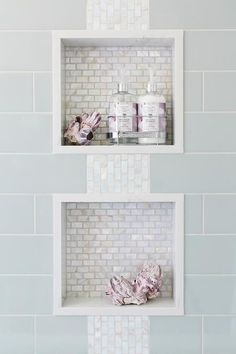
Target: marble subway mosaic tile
[118,335]
[117,173]
[106,239]
[92,75]
[118,14]
[120,173]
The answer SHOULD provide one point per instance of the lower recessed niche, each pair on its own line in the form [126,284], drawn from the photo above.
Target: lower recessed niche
[98,236]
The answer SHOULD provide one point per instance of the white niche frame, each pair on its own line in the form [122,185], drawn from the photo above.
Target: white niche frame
[125,38]
[99,306]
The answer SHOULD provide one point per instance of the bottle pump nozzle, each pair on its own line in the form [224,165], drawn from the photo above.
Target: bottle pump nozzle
[151,86]
[122,85]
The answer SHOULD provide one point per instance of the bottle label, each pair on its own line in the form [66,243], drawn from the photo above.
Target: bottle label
[148,117]
[123,116]
[162,117]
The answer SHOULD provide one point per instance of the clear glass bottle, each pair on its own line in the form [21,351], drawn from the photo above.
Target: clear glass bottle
[152,114]
[122,115]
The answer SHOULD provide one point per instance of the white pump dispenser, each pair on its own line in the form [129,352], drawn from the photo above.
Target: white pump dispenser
[149,111]
[123,108]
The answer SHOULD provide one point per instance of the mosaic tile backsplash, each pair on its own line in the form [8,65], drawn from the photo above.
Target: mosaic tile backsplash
[92,74]
[115,335]
[119,173]
[118,14]
[105,239]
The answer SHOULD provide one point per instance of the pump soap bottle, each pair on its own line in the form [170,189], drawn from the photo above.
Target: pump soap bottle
[123,111]
[151,107]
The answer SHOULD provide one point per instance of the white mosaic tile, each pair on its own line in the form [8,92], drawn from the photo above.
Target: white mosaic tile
[117,173]
[92,75]
[120,173]
[118,14]
[106,239]
[118,335]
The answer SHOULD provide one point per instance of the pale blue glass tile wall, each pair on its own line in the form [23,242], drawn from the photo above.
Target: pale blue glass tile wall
[220,93]
[210,294]
[175,335]
[16,335]
[25,295]
[193,91]
[16,214]
[25,50]
[43,15]
[187,14]
[210,286]
[210,245]
[220,214]
[51,173]
[44,218]
[193,173]
[220,127]
[211,50]
[26,133]
[219,335]
[43,92]
[26,241]
[16,92]
[210,254]
[193,214]
[30,254]
[61,335]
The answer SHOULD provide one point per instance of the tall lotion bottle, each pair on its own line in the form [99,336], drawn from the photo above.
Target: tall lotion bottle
[123,110]
[152,114]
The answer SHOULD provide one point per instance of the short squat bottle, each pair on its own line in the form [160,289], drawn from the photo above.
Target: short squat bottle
[122,114]
[152,115]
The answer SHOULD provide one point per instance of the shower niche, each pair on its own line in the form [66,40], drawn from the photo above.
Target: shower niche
[99,236]
[86,71]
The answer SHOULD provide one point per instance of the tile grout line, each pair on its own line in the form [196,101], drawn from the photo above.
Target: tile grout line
[195,315]
[203,92]
[27,153]
[186,193]
[210,30]
[203,214]
[202,334]
[33,83]
[186,112]
[211,235]
[25,315]
[35,211]
[25,71]
[35,333]
[20,30]
[149,174]
[210,71]
[230,153]
[27,113]
[25,235]
[210,274]
[210,153]
[210,112]
[26,275]
[25,30]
